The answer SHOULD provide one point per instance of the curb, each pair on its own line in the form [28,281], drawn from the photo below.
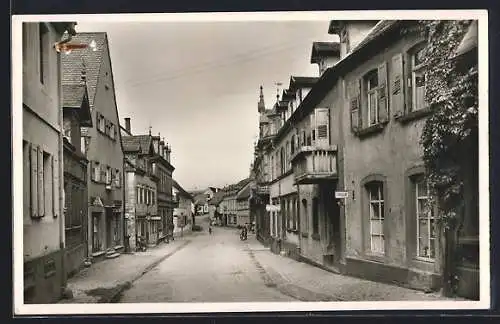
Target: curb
[114,297]
[275,280]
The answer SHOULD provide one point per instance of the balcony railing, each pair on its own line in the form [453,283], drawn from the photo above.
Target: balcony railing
[313,164]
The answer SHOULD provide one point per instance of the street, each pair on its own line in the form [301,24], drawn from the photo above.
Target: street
[213,268]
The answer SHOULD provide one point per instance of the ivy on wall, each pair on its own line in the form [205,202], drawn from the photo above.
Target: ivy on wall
[451,130]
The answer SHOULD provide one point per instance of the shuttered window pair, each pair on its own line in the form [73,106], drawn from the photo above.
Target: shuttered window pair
[42,179]
[404,87]
[367,97]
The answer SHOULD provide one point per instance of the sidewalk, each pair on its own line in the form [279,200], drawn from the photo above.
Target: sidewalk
[104,281]
[308,283]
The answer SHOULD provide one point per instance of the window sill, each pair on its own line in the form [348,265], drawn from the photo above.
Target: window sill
[413,115]
[372,130]
[315,237]
[424,259]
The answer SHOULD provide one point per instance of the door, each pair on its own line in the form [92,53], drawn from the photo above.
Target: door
[332,209]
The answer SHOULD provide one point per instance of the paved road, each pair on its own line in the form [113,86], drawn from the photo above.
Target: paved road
[212,268]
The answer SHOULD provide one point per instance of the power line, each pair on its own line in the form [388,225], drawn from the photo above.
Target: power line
[206,67]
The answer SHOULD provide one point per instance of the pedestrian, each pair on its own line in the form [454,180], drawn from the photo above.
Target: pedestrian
[210,230]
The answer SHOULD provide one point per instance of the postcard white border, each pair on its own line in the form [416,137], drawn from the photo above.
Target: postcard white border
[483,303]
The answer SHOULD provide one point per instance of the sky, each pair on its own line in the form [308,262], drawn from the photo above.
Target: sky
[197,84]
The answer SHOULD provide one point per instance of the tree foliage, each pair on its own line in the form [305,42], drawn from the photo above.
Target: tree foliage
[451,92]
[450,133]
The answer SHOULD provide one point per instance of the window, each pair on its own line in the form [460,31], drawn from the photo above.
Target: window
[315,215]
[67,129]
[424,215]
[108,175]
[137,195]
[43,38]
[376,214]
[417,79]
[112,131]
[41,180]
[371,86]
[117,178]
[367,99]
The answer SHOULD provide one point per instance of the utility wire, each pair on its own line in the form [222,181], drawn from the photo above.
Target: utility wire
[207,66]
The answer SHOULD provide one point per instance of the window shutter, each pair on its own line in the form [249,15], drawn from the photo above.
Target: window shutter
[34,180]
[383,104]
[408,89]
[354,95]
[93,171]
[397,82]
[322,129]
[41,184]
[55,186]
[113,177]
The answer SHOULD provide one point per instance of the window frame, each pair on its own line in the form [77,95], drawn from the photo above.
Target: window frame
[413,70]
[368,92]
[365,217]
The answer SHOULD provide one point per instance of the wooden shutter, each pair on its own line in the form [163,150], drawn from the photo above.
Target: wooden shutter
[55,186]
[322,126]
[41,183]
[113,177]
[408,90]
[354,97]
[383,102]
[34,180]
[397,85]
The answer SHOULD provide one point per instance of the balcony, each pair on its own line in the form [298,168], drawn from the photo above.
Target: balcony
[312,164]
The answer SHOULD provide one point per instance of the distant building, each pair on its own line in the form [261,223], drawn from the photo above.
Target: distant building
[141,194]
[243,205]
[183,212]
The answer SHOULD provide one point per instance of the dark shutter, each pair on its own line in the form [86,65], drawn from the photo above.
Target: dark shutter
[397,84]
[354,95]
[383,104]
[407,67]
[34,180]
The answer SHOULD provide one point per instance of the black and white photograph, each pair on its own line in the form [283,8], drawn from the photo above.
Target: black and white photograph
[239,162]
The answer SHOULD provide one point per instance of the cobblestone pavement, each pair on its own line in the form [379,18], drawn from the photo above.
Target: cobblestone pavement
[105,280]
[309,283]
[213,268]
[221,268]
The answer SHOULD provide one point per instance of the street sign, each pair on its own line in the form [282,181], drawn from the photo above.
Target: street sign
[341,194]
[273,208]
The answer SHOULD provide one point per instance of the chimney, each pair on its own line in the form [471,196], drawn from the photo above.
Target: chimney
[127,125]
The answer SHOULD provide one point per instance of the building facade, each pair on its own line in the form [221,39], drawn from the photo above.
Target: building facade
[243,216]
[76,114]
[183,212]
[141,197]
[353,209]
[103,145]
[43,218]
[164,170]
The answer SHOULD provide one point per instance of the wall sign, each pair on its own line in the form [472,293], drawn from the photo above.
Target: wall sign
[341,194]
